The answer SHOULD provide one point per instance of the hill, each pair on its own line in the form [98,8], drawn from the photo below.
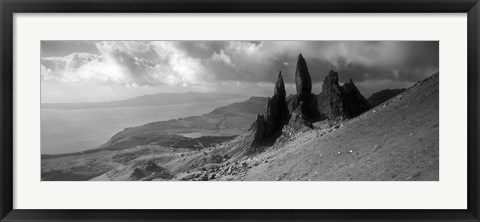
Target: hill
[226,121]
[395,141]
[381,96]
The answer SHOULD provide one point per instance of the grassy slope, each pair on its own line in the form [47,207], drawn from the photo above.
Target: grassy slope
[397,140]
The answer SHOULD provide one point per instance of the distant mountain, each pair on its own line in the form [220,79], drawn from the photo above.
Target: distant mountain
[381,96]
[148,100]
[225,121]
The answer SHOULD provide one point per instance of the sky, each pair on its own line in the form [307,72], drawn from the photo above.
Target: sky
[94,71]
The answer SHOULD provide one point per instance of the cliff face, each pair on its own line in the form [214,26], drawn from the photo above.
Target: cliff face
[355,103]
[336,101]
[276,115]
[330,101]
[304,94]
[303,80]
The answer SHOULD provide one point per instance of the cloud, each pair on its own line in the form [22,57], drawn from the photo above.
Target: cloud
[130,63]
[234,65]
[64,48]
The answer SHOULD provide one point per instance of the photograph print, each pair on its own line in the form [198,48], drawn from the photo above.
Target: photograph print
[239,110]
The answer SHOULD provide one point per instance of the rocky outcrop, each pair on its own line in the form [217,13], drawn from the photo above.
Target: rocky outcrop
[355,103]
[309,109]
[148,170]
[296,125]
[336,102]
[269,126]
[305,108]
[303,80]
[259,131]
[298,121]
[276,113]
[304,94]
[381,96]
[330,101]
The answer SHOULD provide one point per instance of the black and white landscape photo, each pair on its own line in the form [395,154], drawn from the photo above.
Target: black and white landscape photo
[239,110]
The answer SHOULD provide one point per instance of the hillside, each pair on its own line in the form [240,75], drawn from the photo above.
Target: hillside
[397,140]
[383,95]
[226,121]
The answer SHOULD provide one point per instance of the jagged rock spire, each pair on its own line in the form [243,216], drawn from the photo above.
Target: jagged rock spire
[302,76]
[269,126]
[259,133]
[280,86]
[356,103]
[336,101]
[304,92]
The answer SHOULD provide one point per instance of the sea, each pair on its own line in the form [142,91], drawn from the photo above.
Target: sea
[74,130]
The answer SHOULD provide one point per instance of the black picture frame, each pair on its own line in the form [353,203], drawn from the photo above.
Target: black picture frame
[9,7]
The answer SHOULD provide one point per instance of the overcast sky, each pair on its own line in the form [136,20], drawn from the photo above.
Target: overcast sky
[90,71]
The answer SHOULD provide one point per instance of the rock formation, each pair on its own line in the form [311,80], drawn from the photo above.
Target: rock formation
[330,101]
[304,94]
[259,131]
[355,103]
[303,80]
[304,108]
[336,102]
[276,115]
